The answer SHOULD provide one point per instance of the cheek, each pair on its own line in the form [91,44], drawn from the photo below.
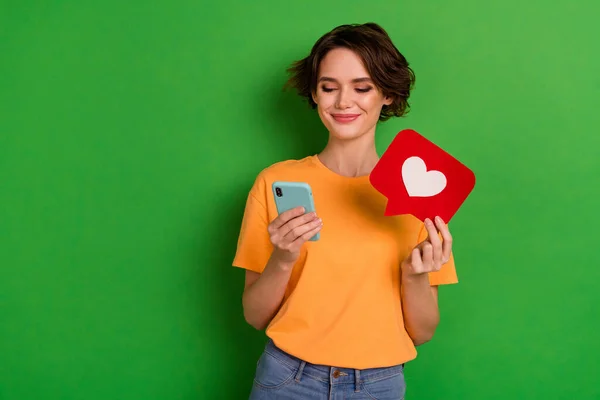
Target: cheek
[325,102]
[322,109]
[371,103]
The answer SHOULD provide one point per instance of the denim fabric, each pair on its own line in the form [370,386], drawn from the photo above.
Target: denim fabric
[282,376]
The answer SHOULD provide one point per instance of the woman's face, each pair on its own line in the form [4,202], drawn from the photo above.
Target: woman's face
[348,102]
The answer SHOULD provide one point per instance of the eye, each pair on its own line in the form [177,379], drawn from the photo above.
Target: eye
[364,90]
[327,89]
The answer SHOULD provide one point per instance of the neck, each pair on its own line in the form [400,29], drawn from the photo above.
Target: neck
[352,158]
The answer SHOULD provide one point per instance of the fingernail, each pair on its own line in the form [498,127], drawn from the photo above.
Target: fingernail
[427,221]
[439,219]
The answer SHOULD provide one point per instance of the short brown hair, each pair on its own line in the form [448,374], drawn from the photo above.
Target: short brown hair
[388,68]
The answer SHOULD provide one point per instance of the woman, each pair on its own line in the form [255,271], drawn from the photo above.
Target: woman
[344,313]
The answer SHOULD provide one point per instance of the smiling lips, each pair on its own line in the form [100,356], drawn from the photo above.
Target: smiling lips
[345,118]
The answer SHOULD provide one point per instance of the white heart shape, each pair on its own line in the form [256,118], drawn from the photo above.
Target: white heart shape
[418,181]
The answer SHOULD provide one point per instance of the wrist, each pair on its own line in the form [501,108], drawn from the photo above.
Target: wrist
[412,278]
[280,263]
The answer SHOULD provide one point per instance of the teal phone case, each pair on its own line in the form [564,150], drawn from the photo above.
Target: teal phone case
[290,195]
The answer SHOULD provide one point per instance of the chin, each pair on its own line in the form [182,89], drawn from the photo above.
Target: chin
[345,135]
[347,132]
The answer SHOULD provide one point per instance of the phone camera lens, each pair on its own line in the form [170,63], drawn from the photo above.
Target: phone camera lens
[278,192]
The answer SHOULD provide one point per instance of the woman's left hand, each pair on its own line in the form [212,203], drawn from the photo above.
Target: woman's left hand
[429,255]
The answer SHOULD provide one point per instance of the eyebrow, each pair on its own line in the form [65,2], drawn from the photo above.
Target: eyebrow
[356,80]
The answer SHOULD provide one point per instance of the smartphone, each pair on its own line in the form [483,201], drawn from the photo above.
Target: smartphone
[290,195]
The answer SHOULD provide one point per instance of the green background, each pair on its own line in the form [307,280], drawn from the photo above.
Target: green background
[132,131]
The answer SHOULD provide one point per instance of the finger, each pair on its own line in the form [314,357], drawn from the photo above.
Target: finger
[285,216]
[416,260]
[435,240]
[296,222]
[307,235]
[428,256]
[447,243]
[303,229]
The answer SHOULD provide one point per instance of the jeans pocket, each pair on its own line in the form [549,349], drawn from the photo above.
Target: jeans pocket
[271,373]
[392,387]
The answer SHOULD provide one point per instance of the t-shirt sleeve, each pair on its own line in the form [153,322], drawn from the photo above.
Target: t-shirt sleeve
[254,245]
[447,274]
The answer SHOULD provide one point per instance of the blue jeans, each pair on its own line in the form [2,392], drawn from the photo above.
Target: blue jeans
[282,376]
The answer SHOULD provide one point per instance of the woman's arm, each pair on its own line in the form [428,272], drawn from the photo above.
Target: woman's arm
[420,309]
[419,298]
[264,292]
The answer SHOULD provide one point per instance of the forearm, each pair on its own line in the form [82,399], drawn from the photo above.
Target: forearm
[420,308]
[262,299]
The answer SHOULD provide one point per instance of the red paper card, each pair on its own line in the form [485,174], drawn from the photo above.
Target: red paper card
[421,179]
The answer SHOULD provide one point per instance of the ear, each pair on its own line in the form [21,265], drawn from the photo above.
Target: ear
[388,100]
[314,97]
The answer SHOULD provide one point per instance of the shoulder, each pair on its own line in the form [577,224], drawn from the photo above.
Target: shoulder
[291,169]
[287,167]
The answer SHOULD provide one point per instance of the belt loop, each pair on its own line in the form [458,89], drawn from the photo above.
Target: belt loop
[300,370]
[357,380]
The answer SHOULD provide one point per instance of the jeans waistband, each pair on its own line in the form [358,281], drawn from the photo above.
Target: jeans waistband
[335,375]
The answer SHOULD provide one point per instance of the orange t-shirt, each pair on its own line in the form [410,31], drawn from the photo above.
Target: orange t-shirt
[342,306]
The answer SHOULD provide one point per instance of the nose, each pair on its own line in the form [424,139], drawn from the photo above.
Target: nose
[344,99]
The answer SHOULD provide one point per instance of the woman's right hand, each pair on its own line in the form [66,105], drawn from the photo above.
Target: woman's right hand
[289,231]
